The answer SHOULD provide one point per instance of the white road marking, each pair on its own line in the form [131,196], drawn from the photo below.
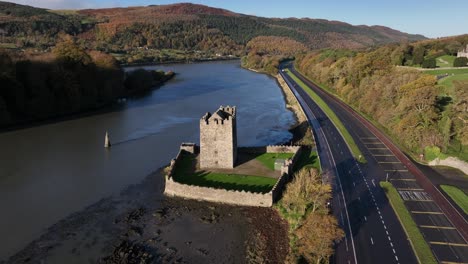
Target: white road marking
[373,183]
[372,241]
[365,218]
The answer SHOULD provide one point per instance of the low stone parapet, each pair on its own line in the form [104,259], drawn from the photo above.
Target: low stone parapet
[245,198]
[217,195]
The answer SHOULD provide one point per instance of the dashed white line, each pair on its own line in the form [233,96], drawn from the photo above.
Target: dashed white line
[372,241]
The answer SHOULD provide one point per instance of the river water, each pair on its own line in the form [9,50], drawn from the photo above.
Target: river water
[50,171]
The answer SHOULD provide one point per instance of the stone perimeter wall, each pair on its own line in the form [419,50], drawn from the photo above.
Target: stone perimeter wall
[174,188]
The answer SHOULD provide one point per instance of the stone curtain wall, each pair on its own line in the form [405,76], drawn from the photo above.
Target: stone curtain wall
[217,195]
[174,188]
[270,149]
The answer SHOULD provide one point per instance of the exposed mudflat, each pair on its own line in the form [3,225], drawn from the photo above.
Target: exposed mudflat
[140,225]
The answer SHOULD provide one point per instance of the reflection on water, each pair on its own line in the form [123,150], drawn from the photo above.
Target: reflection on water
[50,171]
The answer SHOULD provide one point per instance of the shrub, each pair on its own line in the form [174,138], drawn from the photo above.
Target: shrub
[429,63]
[460,62]
[431,153]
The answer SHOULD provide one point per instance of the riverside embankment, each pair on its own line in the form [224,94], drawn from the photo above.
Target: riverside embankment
[51,171]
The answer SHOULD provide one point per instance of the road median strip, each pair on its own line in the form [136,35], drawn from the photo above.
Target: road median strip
[457,195]
[420,246]
[356,152]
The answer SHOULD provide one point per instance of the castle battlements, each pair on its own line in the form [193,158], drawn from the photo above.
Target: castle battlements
[220,117]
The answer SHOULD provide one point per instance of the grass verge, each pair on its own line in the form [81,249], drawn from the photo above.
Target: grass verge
[420,247]
[184,173]
[307,159]
[268,159]
[336,121]
[457,195]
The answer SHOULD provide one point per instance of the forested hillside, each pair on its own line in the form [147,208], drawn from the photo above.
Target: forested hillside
[416,110]
[137,33]
[42,77]
[67,80]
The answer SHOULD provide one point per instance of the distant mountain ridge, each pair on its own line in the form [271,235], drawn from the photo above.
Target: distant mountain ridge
[182,26]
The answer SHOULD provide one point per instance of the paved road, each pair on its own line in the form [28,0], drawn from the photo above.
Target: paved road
[383,159]
[373,233]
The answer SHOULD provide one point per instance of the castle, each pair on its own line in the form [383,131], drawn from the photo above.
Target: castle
[218,139]
[218,153]
[463,52]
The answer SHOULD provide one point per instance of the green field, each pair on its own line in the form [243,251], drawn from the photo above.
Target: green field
[454,75]
[268,159]
[64,12]
[421,248]
[183,173]
[457,195]
[336,121]
[448,81]
[445,61]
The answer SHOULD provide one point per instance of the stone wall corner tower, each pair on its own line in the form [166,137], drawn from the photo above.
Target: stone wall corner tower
[218,139]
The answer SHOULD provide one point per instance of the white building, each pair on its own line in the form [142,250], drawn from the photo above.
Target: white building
[463,52]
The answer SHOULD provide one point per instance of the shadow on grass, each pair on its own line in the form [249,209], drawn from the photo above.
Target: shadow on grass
[185,173]
[244,157]
[307,159]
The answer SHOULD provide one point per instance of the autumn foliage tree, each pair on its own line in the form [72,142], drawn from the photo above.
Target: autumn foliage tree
[266,52]
[312,229]
[316,236]
[408,103]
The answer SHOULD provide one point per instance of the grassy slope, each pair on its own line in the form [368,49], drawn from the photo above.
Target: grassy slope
[268,159]
[448,81]
[307,159]
[446,58]
[336,121]
[421,248]
[183,174]
[457,195]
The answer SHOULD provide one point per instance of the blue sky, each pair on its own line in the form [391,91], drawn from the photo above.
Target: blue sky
[432,18]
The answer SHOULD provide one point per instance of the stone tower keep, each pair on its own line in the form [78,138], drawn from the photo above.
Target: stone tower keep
[218,139]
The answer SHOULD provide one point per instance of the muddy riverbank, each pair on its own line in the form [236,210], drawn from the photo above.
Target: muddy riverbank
[140,225]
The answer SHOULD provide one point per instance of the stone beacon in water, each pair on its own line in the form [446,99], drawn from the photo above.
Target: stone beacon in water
[107,142]
[218,139]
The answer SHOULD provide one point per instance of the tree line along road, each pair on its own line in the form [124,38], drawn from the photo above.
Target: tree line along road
[371,224]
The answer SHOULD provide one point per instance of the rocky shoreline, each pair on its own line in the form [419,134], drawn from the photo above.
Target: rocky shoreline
[140,225]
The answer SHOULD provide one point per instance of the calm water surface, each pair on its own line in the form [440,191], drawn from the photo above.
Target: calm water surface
[51,171]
